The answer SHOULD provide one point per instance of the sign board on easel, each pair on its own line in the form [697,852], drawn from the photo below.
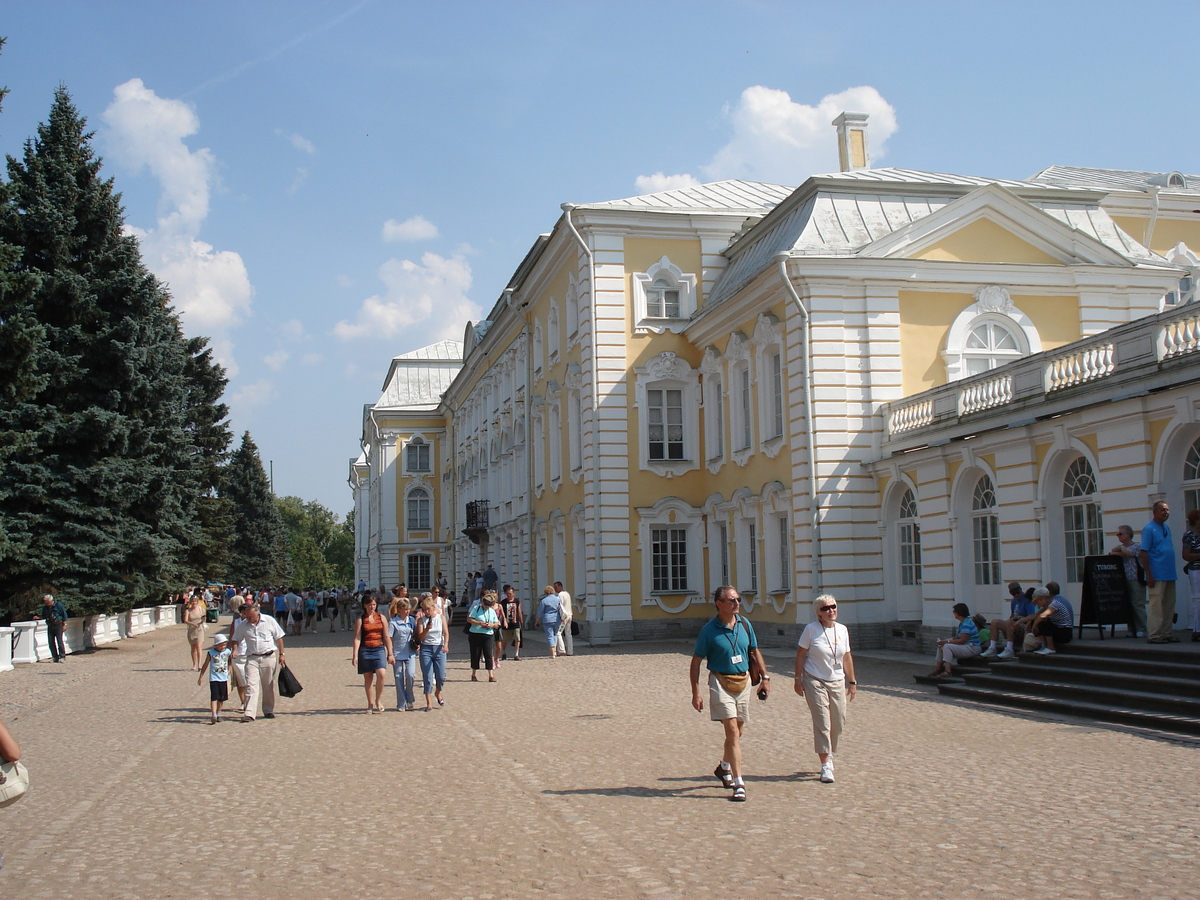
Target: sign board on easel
[1105,597]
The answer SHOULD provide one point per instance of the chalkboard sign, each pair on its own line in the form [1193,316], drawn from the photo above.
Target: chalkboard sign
[1105,598]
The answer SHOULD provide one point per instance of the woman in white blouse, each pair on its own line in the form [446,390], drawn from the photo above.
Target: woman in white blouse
[825,678]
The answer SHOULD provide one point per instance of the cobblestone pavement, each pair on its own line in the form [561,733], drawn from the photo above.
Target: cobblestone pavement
[582,777]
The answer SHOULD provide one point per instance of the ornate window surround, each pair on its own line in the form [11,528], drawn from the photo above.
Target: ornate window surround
[992,302]
[674,513]
[767,342]
[670,372]
[712,371]
[737,355]
[640,282]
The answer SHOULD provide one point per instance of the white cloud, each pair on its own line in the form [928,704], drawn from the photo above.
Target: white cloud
[429,298]
[211,288]
[253,396]
[416,228]
[652,184]
[777,139]
[300,142]
[277,360]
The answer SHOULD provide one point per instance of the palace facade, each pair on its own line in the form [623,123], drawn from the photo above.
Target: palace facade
[904,388]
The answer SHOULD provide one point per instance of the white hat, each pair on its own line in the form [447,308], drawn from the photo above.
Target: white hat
[220,639]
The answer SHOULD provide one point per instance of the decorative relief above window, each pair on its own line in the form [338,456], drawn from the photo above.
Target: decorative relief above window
[664,298]
[988,333]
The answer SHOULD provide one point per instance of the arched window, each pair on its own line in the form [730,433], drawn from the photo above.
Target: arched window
[663,297]
[985,533]
[1082,530]
[418,508]
[910,540]
[1191,478]
[989,344]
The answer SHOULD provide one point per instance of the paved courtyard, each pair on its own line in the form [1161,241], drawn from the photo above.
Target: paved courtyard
[582,777]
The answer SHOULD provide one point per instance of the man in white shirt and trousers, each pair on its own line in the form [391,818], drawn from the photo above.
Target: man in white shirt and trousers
[263,638]
[566,643]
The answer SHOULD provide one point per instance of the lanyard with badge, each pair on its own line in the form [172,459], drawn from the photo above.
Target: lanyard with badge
[735,658]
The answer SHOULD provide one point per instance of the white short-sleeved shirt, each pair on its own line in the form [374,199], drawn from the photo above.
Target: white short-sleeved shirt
[826,647]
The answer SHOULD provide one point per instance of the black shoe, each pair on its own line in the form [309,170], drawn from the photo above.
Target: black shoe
[268,715]
[725,776]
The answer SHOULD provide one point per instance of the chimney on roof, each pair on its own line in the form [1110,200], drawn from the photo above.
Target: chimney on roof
[852,141]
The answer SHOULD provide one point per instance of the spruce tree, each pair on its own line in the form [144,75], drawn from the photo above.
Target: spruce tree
[208,439]
[258,555]
[99,476]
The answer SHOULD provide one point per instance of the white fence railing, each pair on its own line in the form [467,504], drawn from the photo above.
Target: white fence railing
[29,642]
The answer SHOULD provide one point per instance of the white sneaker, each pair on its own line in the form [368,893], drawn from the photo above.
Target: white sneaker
[989,652]
[1007,653]
[827,773]
[1045,651]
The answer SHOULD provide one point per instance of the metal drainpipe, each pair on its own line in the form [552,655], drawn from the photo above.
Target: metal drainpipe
[599,602]
[809,425]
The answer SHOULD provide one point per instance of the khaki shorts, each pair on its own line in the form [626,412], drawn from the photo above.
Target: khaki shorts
[510,635]
[724,705]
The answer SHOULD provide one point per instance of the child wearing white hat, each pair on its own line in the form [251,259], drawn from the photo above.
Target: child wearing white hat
[217,666]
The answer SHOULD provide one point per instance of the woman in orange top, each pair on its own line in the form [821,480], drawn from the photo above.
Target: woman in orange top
[372,652]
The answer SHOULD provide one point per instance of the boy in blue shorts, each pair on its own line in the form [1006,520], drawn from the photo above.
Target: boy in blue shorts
[217,665]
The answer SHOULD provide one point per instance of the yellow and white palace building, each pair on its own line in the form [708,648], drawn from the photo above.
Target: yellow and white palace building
[901,387]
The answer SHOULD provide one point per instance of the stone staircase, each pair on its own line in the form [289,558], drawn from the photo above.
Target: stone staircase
[1111,681]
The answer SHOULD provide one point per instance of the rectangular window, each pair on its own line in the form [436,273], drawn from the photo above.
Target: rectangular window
[419,565]
[745,409]
[985,540]
[719,394]
[418,456]
[665,420]
[418,509]
[777,394]
[753,557]
[724,532]
[910,553]
[785,555]
[1083,535]
[668,559]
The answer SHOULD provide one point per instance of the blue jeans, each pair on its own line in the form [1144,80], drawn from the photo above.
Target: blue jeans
[433,666]
[406,676]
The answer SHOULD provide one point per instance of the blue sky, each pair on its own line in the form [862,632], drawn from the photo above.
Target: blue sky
[324,185]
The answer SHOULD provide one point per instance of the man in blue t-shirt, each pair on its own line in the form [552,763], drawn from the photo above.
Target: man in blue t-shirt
[1157,557]
[1012,628]
[728,643]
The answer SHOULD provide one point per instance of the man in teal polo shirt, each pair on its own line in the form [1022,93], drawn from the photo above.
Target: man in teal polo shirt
[727,643]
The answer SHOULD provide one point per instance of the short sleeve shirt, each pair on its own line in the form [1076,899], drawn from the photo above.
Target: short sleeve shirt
[970,629]
[1156,541]
[826,648]
[726,650]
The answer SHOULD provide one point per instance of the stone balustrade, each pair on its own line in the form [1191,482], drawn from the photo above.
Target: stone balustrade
[986,394]
[1079,366]
[29,642]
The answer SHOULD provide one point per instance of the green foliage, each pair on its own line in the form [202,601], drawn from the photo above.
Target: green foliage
[317,543]
[258,555]
[110,423]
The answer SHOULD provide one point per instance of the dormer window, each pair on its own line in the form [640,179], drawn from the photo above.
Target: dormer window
[664,298]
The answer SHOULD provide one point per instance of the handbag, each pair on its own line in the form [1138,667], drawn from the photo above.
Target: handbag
[289,684]
[14,782]
[574,628]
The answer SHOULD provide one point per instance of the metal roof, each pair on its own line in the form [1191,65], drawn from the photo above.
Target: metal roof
[717,197]
[1114,179]
[440,350]
[417,379]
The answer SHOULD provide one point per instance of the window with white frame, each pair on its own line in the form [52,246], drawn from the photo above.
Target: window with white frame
[419,567]
[909,531]
[552,332]
[668,394]
[714,410]
[769,382]
[554,438]
[1083,532]
[418,509]
[752,555]
[539,450]
[663,297]
[537,347]
[665,419]
[572,306]
[990,332]
[668,559]
[1191,478]
[416,456]
[723,552]
[783,550]
[671,562]
[985,532]
[743,417]
[575,428]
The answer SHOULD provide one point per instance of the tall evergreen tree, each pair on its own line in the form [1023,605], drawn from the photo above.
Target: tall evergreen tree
[99,477]
[258,556]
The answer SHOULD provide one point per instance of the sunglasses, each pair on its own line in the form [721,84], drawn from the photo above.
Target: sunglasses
[732,599]
[828,609]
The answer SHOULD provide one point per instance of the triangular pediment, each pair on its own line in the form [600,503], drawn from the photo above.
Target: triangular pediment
[994,225]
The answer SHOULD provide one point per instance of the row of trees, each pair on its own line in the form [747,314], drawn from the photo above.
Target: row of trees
[116,479]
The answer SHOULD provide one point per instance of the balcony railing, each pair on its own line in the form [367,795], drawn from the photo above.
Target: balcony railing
[477,514]
[1141,355]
